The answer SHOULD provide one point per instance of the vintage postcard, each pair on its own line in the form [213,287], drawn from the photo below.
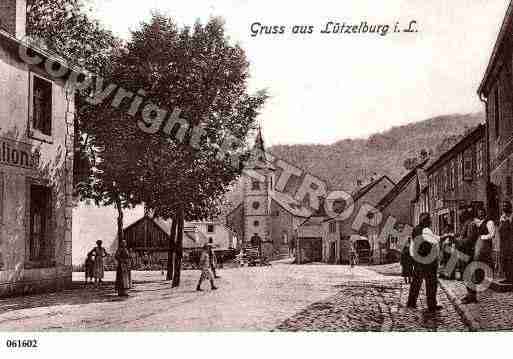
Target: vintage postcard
[255,166]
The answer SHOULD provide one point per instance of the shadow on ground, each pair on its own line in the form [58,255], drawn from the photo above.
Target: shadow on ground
[77,294]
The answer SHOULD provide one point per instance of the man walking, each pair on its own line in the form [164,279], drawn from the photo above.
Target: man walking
[506,241]
[425,251]
[212,257]
[206,273]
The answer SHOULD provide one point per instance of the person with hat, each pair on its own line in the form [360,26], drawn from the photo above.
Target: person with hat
[506,241]
[99,253]
[481,252]
[206,273]
[425,252]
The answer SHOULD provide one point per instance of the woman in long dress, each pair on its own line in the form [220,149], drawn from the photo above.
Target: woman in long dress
[123,270]
[99,253]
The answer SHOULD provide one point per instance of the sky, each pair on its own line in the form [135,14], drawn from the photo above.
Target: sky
[327,87]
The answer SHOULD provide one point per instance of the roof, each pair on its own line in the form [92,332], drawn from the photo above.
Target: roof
[400,186]
[318,216]
[192,236]
[41,52]
[503,32]
[475,134]
[157,225]
[362,191]
[290,204]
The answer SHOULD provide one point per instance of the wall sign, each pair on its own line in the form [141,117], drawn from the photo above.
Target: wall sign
[18,154]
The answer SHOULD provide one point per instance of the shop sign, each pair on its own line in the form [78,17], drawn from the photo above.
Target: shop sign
[18,154]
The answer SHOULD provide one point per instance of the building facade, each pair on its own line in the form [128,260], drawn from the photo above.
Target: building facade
[496,92]
[396,213]
[457,181]
[36,164]
[337,232]
[271,215]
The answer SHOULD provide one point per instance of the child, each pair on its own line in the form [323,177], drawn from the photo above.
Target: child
[89,268]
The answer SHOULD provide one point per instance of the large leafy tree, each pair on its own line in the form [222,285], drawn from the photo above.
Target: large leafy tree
[67,29]
[197,70]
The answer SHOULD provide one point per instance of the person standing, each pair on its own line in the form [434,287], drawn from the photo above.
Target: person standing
[425,251]
[406,263]
[256,242]
[206,273]
[89,268]
[99,253]
[506,241]
[123,270]
[466,241]
[212,257]
[482,237]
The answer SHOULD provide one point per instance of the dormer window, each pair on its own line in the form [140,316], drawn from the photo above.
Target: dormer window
[40,108]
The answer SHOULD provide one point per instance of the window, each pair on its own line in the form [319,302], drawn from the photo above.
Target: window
[256,223]
[333,227]
[479,158]
[460,169]
[41,107]
[210,228]
[467,165]
[509,186]
[39,217]
[444,179]
[255,186]
[285,238]
[496,110]
[452,173]
[256,205]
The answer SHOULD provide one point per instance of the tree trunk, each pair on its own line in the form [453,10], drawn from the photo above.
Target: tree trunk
[172,241]
[120,220]
[178,248]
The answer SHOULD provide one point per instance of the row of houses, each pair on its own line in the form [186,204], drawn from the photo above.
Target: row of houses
[384,212]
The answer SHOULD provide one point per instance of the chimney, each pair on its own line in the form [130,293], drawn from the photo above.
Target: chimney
[13,17]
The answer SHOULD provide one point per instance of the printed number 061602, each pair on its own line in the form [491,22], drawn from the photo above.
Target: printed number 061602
[18,343]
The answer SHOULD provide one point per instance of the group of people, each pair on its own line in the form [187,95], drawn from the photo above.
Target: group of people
[469,252]
[95,268]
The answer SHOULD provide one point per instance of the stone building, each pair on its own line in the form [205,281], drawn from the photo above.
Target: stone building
[395,210]
[337,232]
[496,92]
[457,180]
[271,214]
[36,162]
[309,236]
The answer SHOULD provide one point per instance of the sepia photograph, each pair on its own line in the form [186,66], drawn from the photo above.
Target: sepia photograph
[254,166]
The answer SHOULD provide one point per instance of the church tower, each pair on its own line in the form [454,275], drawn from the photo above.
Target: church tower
[258,184]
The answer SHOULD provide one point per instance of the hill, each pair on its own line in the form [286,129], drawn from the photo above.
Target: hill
[342,163]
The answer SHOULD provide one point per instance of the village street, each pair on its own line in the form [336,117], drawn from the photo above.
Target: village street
[280,297]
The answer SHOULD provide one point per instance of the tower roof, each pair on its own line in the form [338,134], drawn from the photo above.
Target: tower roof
[259,159]
[259,141]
